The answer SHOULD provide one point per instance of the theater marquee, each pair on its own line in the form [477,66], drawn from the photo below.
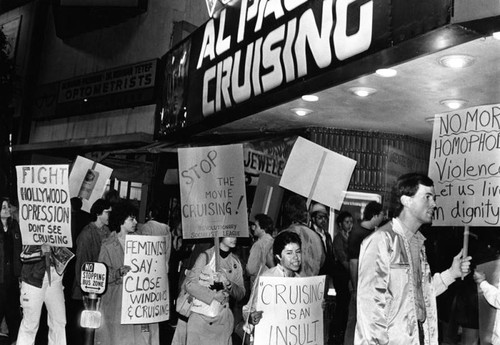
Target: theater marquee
[240,61]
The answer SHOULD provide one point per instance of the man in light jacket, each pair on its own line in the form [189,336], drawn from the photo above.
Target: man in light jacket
[396,298]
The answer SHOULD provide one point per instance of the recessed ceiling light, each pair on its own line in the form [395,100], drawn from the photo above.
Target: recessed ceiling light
[496,35]
[301,111]
[454,103]
[386,72]
[310,98]
[456,61]
[362,91]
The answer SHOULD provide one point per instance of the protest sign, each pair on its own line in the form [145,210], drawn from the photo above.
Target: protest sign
[145,296]
[213,198]
[465,166]
[292,311]
[87,181]
[317,173]
[267,198]
[44,205]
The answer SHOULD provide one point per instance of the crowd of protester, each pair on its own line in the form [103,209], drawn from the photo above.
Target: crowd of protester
[302,246]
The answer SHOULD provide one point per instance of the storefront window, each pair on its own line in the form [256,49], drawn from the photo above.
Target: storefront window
[128,190]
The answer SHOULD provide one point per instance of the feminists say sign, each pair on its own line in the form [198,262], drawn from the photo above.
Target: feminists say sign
[44,205]
[213,199]
[145,296]
[465,166]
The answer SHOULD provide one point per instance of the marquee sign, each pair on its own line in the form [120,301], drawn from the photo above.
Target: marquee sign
[251,52]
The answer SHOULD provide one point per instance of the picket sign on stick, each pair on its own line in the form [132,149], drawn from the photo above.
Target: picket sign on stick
[315,183]
[317,173]
[466,245]
[213,194]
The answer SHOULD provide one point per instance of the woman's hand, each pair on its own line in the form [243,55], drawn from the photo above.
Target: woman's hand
[221,277]
[255,317]
[221,297]
[123,271]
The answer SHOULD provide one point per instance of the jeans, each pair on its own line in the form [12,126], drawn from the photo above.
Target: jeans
[32,300]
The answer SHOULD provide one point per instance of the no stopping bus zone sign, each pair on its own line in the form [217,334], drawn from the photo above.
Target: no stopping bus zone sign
[93,277]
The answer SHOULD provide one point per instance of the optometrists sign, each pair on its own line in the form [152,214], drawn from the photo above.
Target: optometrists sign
[213,198]
[292,310]
[44,205]
[465,166]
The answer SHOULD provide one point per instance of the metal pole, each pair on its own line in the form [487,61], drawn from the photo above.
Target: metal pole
[88,334]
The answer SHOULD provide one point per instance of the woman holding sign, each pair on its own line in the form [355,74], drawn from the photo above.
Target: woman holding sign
[214,289]
[287,253]
[112,332]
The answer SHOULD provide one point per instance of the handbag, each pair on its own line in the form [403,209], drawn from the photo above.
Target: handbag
[184,302]
[206,279]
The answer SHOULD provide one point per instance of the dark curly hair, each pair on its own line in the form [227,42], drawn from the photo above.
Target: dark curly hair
[284,238]
[343,215]
[119,213]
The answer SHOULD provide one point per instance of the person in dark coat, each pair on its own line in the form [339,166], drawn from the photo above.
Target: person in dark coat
[10,270]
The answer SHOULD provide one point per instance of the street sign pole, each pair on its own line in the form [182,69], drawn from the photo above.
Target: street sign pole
[90,332]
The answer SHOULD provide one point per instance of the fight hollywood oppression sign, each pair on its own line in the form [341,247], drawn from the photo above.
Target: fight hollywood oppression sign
[145,297]
[465,166]
[292,311]
[213,198]
[44,205]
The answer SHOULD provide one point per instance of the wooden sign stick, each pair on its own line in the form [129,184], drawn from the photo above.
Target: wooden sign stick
[466,244]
